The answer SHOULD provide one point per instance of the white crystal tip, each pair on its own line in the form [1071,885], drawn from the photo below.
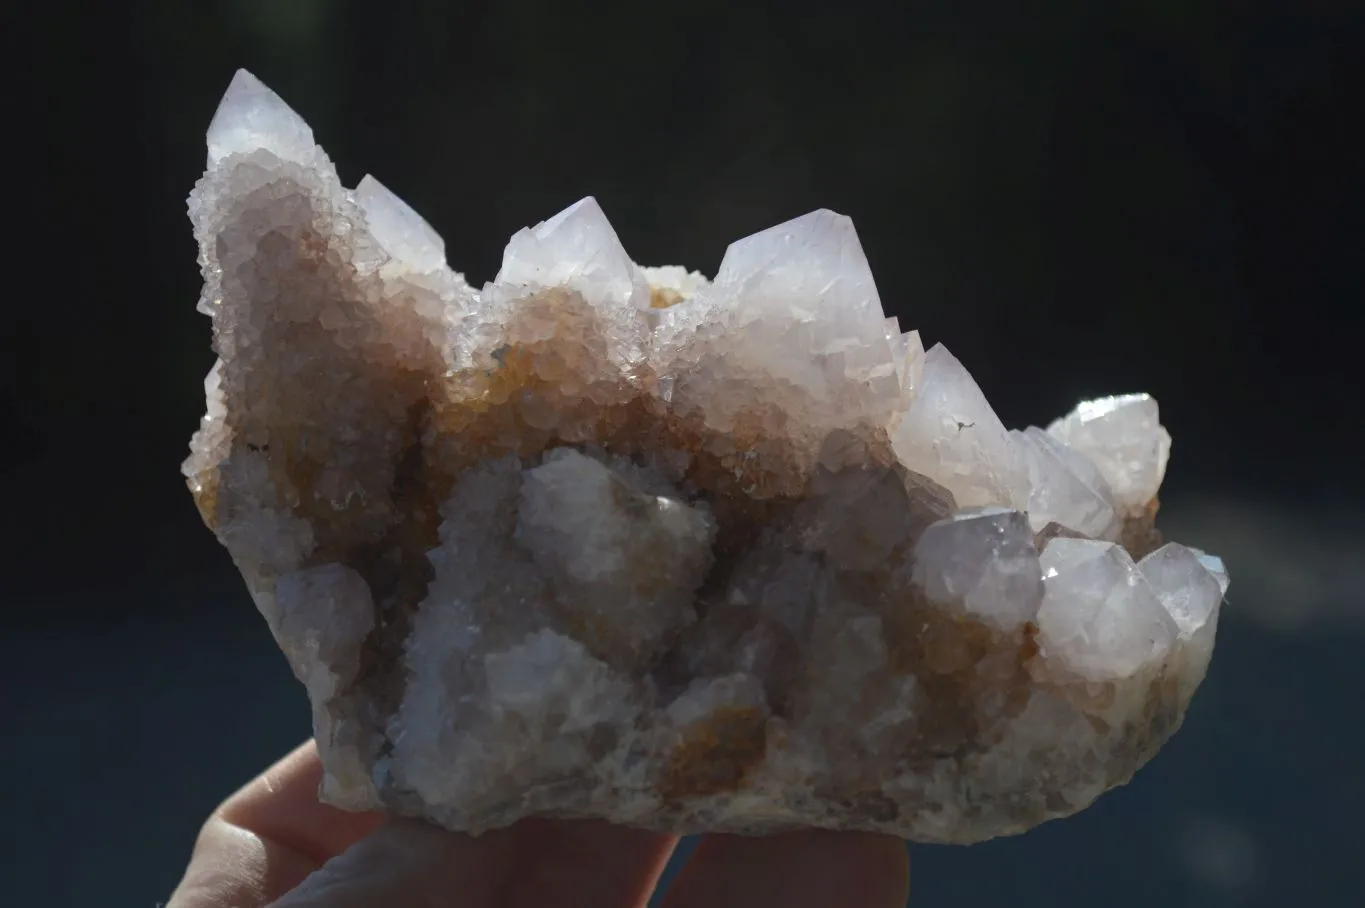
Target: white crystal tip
[816,240]
[402,232]
[578,249]
[251,116]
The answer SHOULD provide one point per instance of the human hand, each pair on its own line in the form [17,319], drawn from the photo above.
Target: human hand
[274,843]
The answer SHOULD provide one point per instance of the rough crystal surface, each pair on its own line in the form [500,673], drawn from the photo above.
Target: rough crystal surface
[601,540]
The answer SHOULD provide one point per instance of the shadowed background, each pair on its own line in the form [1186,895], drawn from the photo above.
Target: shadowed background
[1077,198]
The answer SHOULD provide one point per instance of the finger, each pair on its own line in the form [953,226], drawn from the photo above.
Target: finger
[267,837]
[410,864]
[572,863]
[235,868]
[281,804]
[535,863]
[800,870]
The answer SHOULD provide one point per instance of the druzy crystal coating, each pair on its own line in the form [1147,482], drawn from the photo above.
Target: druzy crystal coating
[602,540]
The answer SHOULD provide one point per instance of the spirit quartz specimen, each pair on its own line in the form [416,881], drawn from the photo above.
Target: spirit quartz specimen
[599,540]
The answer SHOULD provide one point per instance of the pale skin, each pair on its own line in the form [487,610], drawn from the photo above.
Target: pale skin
[273,843]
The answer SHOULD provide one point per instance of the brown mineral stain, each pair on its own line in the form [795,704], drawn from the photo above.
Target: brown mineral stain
[311,251]
[549,386]
[1141,736]
[1139,535]
[395,566]
[204,488]
[715,754]
[550,383]
[1054,530]
[603,639]
[663,297]
[956,661]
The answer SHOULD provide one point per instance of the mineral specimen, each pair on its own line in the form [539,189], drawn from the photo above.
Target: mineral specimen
[598,540]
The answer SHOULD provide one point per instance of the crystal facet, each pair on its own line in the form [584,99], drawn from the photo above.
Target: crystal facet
[1065,487]
[982,561]
[251,117]
[576,249]
[402,231]
[951,434]
[598,540]
[1100,619]
[1126,441]
[1191,590]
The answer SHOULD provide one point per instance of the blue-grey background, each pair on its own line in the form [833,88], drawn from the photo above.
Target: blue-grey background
[1076,197]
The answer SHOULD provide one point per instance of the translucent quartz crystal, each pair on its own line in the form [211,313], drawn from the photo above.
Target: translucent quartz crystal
[1124,438]
[1100,618]
[950,434]
[598,540]
[1065,487]
[983,562]
[405,236]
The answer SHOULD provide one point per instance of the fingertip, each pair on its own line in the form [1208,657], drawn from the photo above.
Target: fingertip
[232,867]
[281,805]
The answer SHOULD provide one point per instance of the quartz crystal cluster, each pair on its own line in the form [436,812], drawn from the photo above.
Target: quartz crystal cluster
[602,540]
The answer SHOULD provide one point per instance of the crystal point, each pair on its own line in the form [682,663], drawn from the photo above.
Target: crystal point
[578,249]
[816,248]
[1214,565]
[1124,437]
[952,435]
[1065,487]
[1192,594]
[811,269]
[251,116]
[983,563]
[399,229]
[1099,617]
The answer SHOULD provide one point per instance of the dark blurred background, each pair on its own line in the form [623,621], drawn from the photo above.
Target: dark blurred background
[1076,197]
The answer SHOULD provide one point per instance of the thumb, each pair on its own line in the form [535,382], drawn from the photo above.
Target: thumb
[409,864]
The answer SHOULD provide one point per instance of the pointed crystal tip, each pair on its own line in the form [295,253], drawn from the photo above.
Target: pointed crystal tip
[584,211]
[577,248]
[251,116]
[402,232]
[819,241]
